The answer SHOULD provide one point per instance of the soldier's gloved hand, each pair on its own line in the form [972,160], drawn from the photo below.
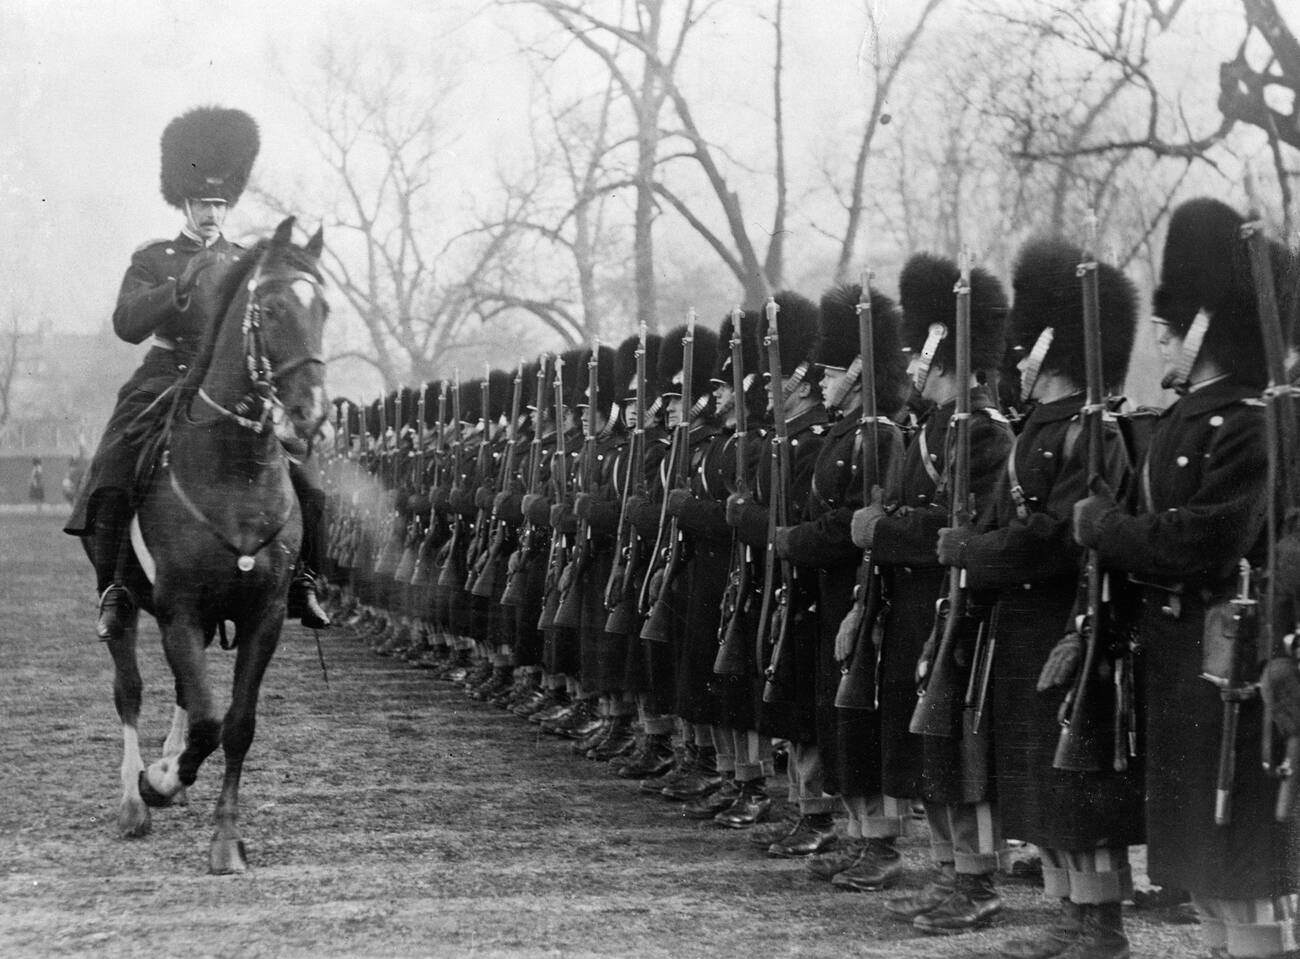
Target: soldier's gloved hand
[1062,663]
[537,509]
[846,637]
[483,498]
[440,497]
[418,503]
[781,541]
[737,503]
[1286,568]
[1089,511]
[582,506]
[560,516]
[863,526]
[499,501]
[952,541]
[677,500]
[1279,685]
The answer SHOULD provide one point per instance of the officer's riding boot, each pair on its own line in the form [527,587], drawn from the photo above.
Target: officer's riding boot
[116,604]
[304,604]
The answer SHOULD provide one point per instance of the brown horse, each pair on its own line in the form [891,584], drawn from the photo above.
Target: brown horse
[219,524]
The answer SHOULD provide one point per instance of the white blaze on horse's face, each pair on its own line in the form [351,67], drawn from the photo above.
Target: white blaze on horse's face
[306,293]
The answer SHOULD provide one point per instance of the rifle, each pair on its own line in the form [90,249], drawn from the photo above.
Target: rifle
[405,572]
[731,659]
[516,586]
[666,559]
[1099,690]
[481,528]
[1279,618]
[484,575]
[434,536]
[452,576]
[555,560]
[569,613]
[859,686]
[620,588]
[940,691]
[778,575]
[393,532]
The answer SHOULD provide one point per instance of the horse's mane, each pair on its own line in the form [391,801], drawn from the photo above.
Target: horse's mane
[228,289]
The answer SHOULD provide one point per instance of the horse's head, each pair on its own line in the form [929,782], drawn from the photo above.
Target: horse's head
[288,312]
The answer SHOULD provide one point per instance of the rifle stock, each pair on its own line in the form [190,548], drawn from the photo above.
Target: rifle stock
[778,583]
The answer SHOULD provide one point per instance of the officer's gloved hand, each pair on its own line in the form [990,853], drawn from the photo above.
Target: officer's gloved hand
[677,500]
[737,504]
[1089,511]
[537,509]
[189,278]
[863,526]
[952,541]
[1279,685]
[1062,663]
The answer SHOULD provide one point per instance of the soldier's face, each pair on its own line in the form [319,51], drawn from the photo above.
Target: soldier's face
[205,218]
[674,412]
[1170,346]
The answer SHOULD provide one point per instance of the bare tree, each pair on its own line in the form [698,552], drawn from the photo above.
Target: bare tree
[11,352]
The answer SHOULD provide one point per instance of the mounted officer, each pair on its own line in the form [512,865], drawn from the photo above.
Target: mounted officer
[207,156]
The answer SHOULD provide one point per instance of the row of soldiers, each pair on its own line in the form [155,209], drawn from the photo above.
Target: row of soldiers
[681,550]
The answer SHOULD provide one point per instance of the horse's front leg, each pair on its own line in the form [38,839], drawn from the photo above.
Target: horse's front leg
[128,689]
[165,778]
[174,745]
[226,854]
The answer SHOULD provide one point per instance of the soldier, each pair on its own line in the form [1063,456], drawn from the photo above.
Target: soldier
[1197,511]
[1082,822]
[964,836]
[849,740]
[792,715]
[207,156]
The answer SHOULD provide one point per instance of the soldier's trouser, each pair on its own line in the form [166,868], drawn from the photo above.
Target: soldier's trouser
[1248,927]
[112,516]
[753,755]
[888,819]
[967,835]
[807,778]
[1087,876]
[724,744]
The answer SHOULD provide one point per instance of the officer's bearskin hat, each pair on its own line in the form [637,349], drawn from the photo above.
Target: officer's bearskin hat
[501,392]
[840,343]
[926,294]
[798,325]
[1206,266]
[672,359]
[1049,293]
[208,153]
[605,380]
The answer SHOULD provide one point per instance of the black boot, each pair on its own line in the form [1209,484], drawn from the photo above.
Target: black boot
[1050,942]
[116,604]
[973,902]
[304,604]
[1102,935]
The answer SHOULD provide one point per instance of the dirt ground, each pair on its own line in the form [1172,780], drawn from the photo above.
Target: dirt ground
[385,815]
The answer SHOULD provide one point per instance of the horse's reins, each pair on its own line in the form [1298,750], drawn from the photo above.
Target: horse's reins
[262,392]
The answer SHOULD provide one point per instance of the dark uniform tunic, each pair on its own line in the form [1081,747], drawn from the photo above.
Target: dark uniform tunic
[597,660]
[1031,558]
[929,768]
[146,304]
[849,739]
[1197,509]
[795,720]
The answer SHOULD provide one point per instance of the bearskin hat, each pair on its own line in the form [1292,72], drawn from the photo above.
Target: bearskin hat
[208,153]
[371,416]
[1206,266]
[433,389]
[751,353]
[925,292]
[471,400]
[839,340]
[501,392]
[575,362]
[624,372]
[672,358]
[1047,292]
[605,381]
[798,325]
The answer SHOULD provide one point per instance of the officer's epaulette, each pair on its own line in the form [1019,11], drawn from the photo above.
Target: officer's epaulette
[148,243]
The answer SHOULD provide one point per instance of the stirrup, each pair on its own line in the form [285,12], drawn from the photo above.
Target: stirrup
[116,602]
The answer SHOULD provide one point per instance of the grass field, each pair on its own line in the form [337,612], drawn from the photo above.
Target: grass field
[385,815]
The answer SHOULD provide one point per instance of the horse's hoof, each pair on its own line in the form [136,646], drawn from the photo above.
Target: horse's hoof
[151,796]
[133,820]
[227,857]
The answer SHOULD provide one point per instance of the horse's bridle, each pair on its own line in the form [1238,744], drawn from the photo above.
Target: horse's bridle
[262,394]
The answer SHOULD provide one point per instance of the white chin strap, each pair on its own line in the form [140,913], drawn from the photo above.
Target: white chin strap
[1180,379]
[936,335]
[1034,363]
[842,387]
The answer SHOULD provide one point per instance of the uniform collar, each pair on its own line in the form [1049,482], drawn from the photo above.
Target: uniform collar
[1213,396]
[1066,408]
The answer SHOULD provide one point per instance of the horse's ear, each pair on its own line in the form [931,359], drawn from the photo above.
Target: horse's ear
[316,243]
[283,232]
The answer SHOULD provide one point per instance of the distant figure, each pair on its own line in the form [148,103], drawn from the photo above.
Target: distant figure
[73,477]
[36,484]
